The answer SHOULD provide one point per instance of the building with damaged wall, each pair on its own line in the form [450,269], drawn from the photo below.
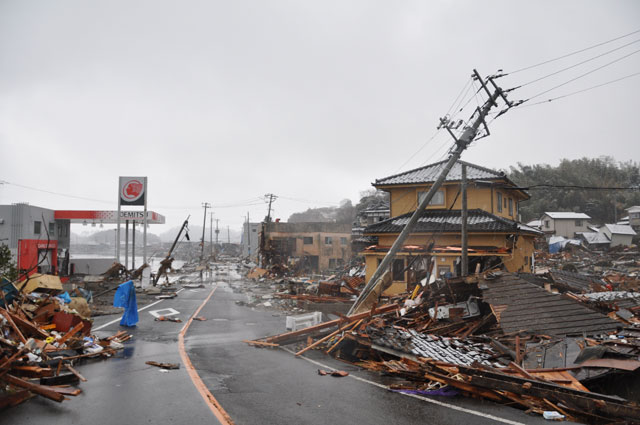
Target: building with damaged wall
[308,247]
[495,237]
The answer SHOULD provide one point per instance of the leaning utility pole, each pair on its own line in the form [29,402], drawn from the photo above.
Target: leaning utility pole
[469,134]
[271,198]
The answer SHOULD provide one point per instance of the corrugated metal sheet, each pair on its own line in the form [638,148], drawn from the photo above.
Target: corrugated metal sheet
[430,173]
[531,308]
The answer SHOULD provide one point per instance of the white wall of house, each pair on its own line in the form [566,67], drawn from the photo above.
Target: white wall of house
[564,227]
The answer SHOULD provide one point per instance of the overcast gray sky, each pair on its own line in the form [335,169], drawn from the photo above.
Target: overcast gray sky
[225,101]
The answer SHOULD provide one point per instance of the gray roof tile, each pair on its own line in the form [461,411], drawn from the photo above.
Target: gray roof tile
[429,174]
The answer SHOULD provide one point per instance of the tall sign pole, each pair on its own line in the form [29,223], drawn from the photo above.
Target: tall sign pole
[132,191]
[145,223]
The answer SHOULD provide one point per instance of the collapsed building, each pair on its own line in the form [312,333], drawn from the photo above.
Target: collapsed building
[305,247]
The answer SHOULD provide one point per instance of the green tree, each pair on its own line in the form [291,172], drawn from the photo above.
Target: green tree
[604,206]
[7,266]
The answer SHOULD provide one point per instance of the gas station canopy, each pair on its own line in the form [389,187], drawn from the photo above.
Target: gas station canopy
[108,217]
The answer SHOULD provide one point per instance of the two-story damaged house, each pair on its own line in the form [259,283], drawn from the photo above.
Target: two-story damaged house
[306,247]
[495,237]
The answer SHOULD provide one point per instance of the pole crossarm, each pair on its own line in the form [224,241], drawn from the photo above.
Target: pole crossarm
[469,134]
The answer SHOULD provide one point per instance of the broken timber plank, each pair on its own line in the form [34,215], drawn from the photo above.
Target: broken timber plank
[279,339]
[34,388]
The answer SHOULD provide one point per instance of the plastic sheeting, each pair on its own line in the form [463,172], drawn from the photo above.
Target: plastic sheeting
[126,297]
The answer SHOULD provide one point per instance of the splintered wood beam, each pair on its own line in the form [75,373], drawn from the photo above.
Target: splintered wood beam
[279,339]
[34,388]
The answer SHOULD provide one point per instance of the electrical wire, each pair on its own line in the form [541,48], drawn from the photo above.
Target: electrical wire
[580,91]
[570,186]
[572,53]
[55,193]
[577,64]
[582,75]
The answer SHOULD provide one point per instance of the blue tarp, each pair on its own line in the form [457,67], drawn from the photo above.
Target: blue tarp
[126,297]
[64,297]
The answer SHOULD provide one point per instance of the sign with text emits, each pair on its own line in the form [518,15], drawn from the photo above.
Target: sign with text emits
[133,190]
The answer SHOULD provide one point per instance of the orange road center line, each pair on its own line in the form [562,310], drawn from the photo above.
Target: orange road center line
[211,401]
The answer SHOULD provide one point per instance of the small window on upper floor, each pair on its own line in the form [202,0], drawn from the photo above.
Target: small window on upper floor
[438,198]
[510,207]
[343,241]
[546,224]
[36,227]
[52,229]
[499,203]
[578,223]
[307,240]
[328,240]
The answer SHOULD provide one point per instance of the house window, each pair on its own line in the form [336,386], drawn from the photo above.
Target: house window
[253,230]
[328,240]
[510,206]
[499,202]
[438,198]
[52,229]
[36,227]
[307,240]
[343,241]
[332,263]
[398,270]
[578,223]
[546,224]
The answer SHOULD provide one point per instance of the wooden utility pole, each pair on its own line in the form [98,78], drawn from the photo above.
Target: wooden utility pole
[468,135]
[211,231]
[464,266]
[271,198]
[205,205]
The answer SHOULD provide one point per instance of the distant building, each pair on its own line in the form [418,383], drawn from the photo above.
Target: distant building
[634,217]
[34,237]
[371,215]
[618,234]
[307,247]
[250,240]
[566,224]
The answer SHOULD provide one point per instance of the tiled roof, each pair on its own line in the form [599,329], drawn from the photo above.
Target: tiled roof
[525,306]
[567,215]
[430,173]
[443,220]
[593,238]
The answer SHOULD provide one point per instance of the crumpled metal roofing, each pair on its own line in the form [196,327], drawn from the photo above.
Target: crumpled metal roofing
[452,350]
[443,220]
[430,173]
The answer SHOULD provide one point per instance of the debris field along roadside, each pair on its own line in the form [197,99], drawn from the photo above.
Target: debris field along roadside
[560,344]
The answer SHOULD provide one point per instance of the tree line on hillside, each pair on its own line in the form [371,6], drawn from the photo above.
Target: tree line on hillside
[604,206]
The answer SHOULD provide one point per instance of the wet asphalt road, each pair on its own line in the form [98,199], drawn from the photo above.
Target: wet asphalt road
[124,390]
[271,386]
[254,386]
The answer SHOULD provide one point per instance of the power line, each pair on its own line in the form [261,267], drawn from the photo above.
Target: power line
[56,193]
[577,64]
[572,53]
[570,186]
[582,75]
[581,91]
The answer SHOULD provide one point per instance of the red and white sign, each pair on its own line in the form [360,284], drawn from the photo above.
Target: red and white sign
[107,217]
[132,190]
